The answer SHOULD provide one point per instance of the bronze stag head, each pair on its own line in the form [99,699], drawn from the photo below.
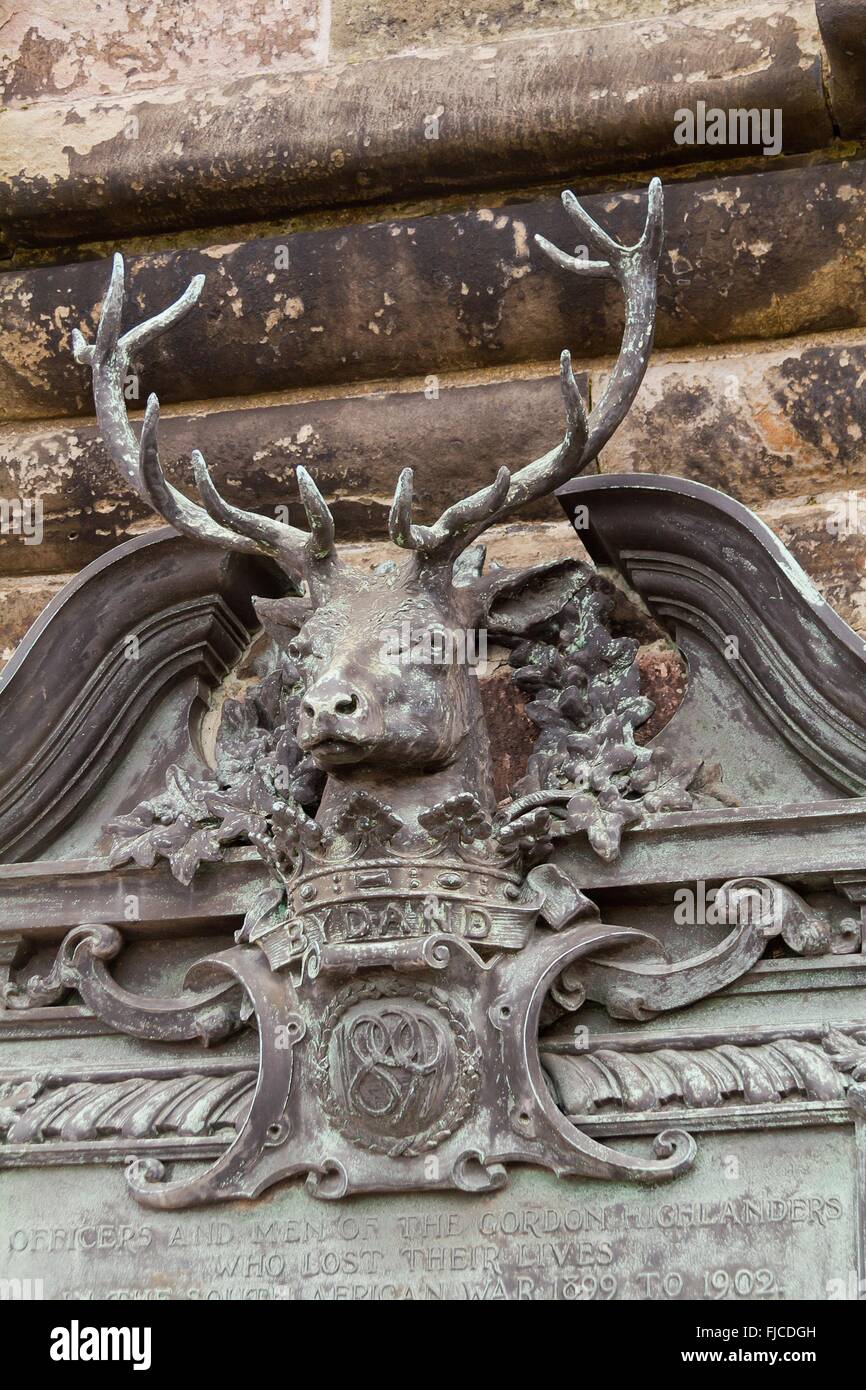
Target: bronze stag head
[370,717]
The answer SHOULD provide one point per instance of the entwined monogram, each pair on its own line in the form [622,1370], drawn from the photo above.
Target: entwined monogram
[396,1069]
[391,1058]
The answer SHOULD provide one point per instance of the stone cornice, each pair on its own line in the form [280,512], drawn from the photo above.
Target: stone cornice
[580,100]
[757,255]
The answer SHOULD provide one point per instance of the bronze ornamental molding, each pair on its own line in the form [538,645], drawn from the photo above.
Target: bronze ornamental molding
[402,983]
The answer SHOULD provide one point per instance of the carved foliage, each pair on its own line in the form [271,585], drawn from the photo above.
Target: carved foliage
[616,1080]
[586,701]
[50,1109]
[255,795]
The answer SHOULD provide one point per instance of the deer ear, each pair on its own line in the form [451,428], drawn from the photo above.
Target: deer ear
[282,618]
[512,601]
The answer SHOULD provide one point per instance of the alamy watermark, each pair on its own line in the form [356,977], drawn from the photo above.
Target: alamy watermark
[77,1343]
[846,516]
[702,906]
[737,126]
[435,645]
[22,516]
[21,1290]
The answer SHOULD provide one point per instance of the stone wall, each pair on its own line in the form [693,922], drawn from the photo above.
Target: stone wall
[360,180]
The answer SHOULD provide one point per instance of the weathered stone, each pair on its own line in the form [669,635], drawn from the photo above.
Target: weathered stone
[53,51]
[663,678]
[576,101]
[21,602]
[827,535]
[512,733]
[843,29]
[355,445]
[372,27]
[759,425]
[758,256]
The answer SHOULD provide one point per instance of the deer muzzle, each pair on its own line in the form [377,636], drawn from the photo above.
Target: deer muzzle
[334,724]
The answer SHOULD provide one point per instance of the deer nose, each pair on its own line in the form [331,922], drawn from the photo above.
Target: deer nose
[330,698]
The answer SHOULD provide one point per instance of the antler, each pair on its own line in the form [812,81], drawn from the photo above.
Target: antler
[217,523]
[636,269]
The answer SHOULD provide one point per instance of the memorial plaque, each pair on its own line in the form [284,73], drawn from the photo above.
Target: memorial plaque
[293,1007]
[783,1228]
